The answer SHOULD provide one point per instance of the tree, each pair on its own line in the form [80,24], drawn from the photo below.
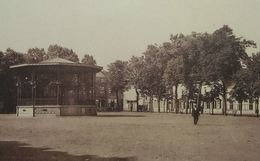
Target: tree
[117,78]
[7,81]
[255,68]
[174,72]
[212,94]
[155,63]
[242,91]
[12,57]
[135,74]
[193,70]
[1,55]
[35,55]
[1,60]
[248,82]
[55,51]
[173,76]
[1,75]
[225,56]
[89,60]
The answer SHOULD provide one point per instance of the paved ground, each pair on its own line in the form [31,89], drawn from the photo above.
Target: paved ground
[130,137]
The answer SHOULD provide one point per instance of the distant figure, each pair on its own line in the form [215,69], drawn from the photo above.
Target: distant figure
[131,107]
[112,104]
[195,114]
[257,112]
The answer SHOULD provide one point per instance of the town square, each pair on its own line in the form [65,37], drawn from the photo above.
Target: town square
[129,80]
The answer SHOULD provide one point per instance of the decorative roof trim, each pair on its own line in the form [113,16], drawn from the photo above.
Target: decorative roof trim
[56,60]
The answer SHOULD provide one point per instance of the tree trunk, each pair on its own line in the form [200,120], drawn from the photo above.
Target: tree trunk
[202,108]
[159,105]
[167,105]
[240,107]
[188,105]
[171,101]
[117,100]
[151,104]
[137,98]
[213,105]
[224,98]
[164,107]
[176,99]
[198,97]
[257,106]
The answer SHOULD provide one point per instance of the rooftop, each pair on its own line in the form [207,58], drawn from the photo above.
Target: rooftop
[58,62]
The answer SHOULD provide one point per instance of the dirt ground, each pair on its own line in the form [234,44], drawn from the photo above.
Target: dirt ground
[129,137]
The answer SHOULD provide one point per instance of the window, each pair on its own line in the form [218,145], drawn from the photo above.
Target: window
[250,105]
[231,106]
[208,105]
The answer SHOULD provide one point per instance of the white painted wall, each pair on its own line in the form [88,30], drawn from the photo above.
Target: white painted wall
[130,95]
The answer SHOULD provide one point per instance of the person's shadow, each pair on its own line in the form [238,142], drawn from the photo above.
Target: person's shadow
[15,151]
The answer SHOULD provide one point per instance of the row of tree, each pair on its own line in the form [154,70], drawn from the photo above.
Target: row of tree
[33,55]
[217,60]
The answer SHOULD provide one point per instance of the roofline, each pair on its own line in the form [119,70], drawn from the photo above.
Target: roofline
[98,68]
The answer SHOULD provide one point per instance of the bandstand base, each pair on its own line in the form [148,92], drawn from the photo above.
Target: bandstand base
[56,110]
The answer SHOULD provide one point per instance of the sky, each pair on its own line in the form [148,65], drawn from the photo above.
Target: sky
[117,29]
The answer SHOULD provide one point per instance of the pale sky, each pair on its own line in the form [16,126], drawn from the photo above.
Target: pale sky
[117,29]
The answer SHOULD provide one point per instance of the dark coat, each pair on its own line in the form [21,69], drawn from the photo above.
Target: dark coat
[195,113]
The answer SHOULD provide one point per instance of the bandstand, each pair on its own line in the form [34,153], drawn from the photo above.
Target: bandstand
[55,87]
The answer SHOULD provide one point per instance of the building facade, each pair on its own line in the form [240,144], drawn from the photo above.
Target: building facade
[168,105]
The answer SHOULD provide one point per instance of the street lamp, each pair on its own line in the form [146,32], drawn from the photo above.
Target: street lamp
[33,84]
[18,85]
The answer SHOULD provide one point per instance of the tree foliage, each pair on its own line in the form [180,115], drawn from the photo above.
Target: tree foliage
[12,57]
[248,81]
[226,57]
[117,78]
[155,63]
[35,55]
[7,81]
[55,51]
[89,60]
[135,74]
[202,58]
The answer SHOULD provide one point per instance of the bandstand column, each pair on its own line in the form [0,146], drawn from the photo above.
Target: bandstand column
[77,87]
[93,87]
[58,86]
[18,95]
[33,86]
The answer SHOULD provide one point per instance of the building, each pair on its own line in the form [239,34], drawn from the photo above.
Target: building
[213,107]
[146,104]
[55,87]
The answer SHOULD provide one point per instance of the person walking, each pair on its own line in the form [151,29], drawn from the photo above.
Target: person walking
[195,114]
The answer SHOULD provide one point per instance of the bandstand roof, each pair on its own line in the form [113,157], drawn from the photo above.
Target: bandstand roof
[58,62]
